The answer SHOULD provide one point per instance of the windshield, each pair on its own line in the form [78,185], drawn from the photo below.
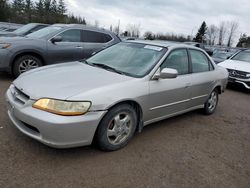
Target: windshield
[44,32]
[242,56]
[22,30]
[132,59]
[221,55]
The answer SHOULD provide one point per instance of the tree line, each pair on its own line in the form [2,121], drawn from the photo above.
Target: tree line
[148,35]
[55,11]
[41,11]
[223,34]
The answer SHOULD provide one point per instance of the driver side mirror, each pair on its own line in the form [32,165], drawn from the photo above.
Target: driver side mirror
[56,39]
[165,73]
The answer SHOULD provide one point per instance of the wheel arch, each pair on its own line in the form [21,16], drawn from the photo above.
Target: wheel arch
[33,53]
[137,108]
[218,88]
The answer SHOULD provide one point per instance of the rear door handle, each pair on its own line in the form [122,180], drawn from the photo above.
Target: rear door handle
[79,47]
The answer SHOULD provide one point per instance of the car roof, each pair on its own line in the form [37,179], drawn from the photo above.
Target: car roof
[165,44]
[247,50]
[78,26]
[36,24]
[82,26]
[190,42]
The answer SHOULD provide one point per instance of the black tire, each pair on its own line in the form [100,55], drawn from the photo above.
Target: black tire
[210,106]
[104,141]
[17,69]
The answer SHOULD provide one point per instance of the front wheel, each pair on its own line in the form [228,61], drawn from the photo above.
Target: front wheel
[211,103]
[25,63]
[117,128]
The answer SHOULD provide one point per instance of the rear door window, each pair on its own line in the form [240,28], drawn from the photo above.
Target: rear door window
[200,62]
[95,37]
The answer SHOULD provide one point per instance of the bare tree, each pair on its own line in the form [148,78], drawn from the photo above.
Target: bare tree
[232,29]
[117,28]
[212,32]
[133,30]
[97,24]
[222,32]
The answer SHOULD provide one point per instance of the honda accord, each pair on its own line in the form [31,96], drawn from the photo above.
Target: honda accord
[113,94]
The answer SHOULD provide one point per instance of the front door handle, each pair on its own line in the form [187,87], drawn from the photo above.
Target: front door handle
[79,47]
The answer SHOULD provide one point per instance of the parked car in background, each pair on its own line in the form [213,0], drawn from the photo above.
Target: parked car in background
[196,44]
[221,56]
[24,30]
[200,45]
[53,44]
[238,67]
[7,29]
[6,26]
[127,38]
[114,93]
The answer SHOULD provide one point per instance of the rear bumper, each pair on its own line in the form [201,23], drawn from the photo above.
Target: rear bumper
[244,82]
[50,129]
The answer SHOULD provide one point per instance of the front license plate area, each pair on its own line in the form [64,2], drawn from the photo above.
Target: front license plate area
[231,79]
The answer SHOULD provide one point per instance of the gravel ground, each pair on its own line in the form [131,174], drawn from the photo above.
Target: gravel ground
[190,150]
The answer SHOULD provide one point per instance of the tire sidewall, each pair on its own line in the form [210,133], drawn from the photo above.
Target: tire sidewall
[17,63]
[101,136]
[206,108]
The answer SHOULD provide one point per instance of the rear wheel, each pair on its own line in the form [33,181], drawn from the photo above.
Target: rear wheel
[25,63]
[117,128]
[211,103]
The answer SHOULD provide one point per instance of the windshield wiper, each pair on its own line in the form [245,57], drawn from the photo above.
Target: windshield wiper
[86,62]
[106,67]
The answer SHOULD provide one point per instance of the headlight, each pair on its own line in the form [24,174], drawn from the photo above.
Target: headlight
[248,75]
[65,108]
[4,45]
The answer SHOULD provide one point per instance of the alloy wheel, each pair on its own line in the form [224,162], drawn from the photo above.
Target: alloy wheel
[119,128]
[212,101]
[27,64]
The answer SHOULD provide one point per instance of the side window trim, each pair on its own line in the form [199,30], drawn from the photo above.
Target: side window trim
[82,33]
[189,62]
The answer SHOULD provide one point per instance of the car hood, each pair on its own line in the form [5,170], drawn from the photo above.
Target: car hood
[66,80]
[236,65]
[12,39]
[217,59]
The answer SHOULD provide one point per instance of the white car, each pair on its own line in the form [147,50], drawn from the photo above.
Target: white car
[238,67]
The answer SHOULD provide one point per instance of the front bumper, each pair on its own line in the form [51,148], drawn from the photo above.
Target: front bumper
[5,58]
[244,82]
[50,129]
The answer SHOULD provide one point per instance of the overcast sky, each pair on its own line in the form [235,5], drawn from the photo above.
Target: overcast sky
[178,16]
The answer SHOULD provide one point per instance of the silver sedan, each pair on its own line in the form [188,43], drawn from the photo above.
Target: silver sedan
[113,94]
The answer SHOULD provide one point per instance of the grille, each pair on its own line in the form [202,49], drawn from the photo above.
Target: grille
[19,96]
[237,74]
